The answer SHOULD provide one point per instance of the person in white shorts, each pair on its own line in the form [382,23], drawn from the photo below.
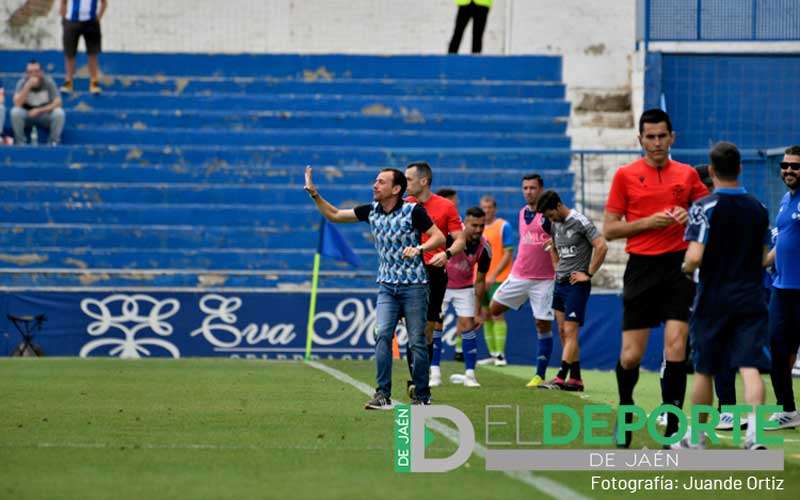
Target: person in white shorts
[532,276]
[464,289]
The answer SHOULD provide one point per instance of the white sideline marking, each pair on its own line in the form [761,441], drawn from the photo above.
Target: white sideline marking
[188,446]
[730,438]
[543,484]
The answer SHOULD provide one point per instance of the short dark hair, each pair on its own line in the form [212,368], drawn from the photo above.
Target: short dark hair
[476,212]
[548,200]
[726,160]
[793,150]
[446,192]
[34,61]
[489,198]
[424,170]
[654,115]
[705,177]
[398,179]
[534,177]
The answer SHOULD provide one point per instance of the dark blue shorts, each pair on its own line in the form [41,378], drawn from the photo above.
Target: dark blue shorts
[571,300]
[725,342]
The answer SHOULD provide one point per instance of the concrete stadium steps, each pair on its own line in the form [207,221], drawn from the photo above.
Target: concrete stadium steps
[213,156]
[217,120]
[255,175]
[378,105]
[178,228]
[328,137]
[179,85]
[310,67]
[165,237]
[187,278]
[188,170]
[174,258]
[280,217]
[293,196]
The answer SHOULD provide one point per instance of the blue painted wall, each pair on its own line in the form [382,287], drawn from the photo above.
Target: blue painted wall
[265,325]
[750,100]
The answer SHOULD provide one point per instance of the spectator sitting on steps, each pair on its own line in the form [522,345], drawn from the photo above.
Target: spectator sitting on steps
[37,103]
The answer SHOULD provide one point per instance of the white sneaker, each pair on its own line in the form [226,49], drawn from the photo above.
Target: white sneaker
[500,360]
[471,381]
[662,420]
[487,361]
[686,444]
[752,445]
[457,378]
[726,422]
[785,419]
[435,380]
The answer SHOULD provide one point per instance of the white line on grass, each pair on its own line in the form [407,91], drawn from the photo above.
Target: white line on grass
[189,446]
[730,438]
[543,484]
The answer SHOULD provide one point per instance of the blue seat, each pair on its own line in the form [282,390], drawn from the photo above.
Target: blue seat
[188,170]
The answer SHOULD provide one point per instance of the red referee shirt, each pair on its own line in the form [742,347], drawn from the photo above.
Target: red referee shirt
[639,190]
[444,215]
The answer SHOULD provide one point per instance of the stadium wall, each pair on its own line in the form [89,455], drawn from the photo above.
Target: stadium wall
[595,37]
[742,98]
[161,323]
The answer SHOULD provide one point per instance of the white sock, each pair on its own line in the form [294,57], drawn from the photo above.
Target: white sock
[750,434]
[470,373]
[436,371]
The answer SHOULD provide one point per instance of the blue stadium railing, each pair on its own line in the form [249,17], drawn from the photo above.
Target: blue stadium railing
[717,21]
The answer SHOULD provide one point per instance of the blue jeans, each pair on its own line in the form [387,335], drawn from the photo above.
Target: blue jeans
[411,302]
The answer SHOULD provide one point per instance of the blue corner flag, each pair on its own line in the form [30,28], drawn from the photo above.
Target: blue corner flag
[332,244]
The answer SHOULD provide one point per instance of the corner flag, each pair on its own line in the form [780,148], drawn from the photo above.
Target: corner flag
[331,244]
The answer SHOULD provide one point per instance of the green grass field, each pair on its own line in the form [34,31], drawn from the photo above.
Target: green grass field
[202,428]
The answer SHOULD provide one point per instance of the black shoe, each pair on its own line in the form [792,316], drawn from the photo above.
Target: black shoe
[424,402]
[555,384]
[410,389]
[379,402]
[573,385]
[459,356]
[628,434]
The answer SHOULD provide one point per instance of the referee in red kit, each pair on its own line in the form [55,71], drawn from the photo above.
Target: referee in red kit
[648,205]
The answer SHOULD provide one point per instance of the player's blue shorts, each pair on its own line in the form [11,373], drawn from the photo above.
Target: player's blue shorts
[572,300]
[725,342]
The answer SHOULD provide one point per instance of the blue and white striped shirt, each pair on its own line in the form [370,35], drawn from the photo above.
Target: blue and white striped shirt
[82,10]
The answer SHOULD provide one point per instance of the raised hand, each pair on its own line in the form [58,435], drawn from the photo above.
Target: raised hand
[309,186]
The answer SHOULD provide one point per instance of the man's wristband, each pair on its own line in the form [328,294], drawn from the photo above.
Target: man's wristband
[590,275]
[449,254]
[315,196]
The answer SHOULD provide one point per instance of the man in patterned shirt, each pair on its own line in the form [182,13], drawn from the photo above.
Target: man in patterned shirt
[397,227]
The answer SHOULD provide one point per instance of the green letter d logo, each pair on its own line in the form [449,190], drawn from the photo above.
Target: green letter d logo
[466,438]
